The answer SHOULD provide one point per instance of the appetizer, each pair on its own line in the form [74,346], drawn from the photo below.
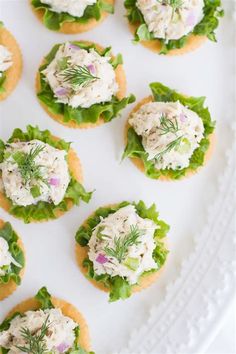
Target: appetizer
[10,62]
[72,16]
[41,176]
[44,324]
[173,26]
[120,248]
[169,135]
[82,85]
[12,260]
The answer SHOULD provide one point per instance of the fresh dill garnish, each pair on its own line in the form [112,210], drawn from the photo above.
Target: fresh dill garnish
[26,163]
[167,125]
[35,343]
[78,76]
[172,145]
[123,243]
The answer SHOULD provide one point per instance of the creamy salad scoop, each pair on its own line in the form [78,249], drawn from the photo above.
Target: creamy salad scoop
[169,135]
[44,325]
[81,78]
[82,85]
[120,249]
[12,260]
[173,26]
[10,62]
[40,177]
[5,60]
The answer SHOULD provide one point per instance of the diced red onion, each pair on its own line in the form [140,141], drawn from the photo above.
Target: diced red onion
[92,69]
[54,181]
[73,46]
[101,259]
[61,91]
[190,21]
[182,117]
[62,347]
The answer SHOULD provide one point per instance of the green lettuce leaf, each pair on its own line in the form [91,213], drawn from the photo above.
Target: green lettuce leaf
[119,288]
[108,110]
[2,81]
[43,210]
[44,299]
[12,271]
[54,21]
[134,147]
[212,12]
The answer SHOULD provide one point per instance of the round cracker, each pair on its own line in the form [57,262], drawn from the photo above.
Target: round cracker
[13,74]
[139,163]
[67,310]
[193,42]
[120,79]
[75,27]
[81,253]
[8,288]
[75,169]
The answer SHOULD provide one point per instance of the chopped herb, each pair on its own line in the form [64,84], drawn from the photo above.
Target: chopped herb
[122,244]
[78,76]
[27,166]
[172,145]
[35,191]
[35,344]
[168,126]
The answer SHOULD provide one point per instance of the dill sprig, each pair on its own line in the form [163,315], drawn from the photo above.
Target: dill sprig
[78,76]
[167,125]
[123,243]
[172,145]
[35,343]
[26,163]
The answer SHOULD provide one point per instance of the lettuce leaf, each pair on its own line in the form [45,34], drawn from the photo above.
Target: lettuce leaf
[134,147]
[108,110]
[119,288]
[12,271]
[43,210]
[2,81]
[44,299]
[54,21]
[212,12]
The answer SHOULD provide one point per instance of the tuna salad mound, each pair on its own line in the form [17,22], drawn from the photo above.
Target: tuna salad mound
[12,259]
[10,62]
[72,16]
[43,327]
[79,83]
[124,247]
[171,23]
[5,64]
[168,134]
[37,177]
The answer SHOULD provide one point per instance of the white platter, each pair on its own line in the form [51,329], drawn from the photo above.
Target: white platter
[182,311]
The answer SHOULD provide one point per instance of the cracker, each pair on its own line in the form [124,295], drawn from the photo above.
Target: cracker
[75,170]
[8,288]
[67,310]
[139,163]
[193,42]
[13,74]
[120,78]
[81,254]
[75,27]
